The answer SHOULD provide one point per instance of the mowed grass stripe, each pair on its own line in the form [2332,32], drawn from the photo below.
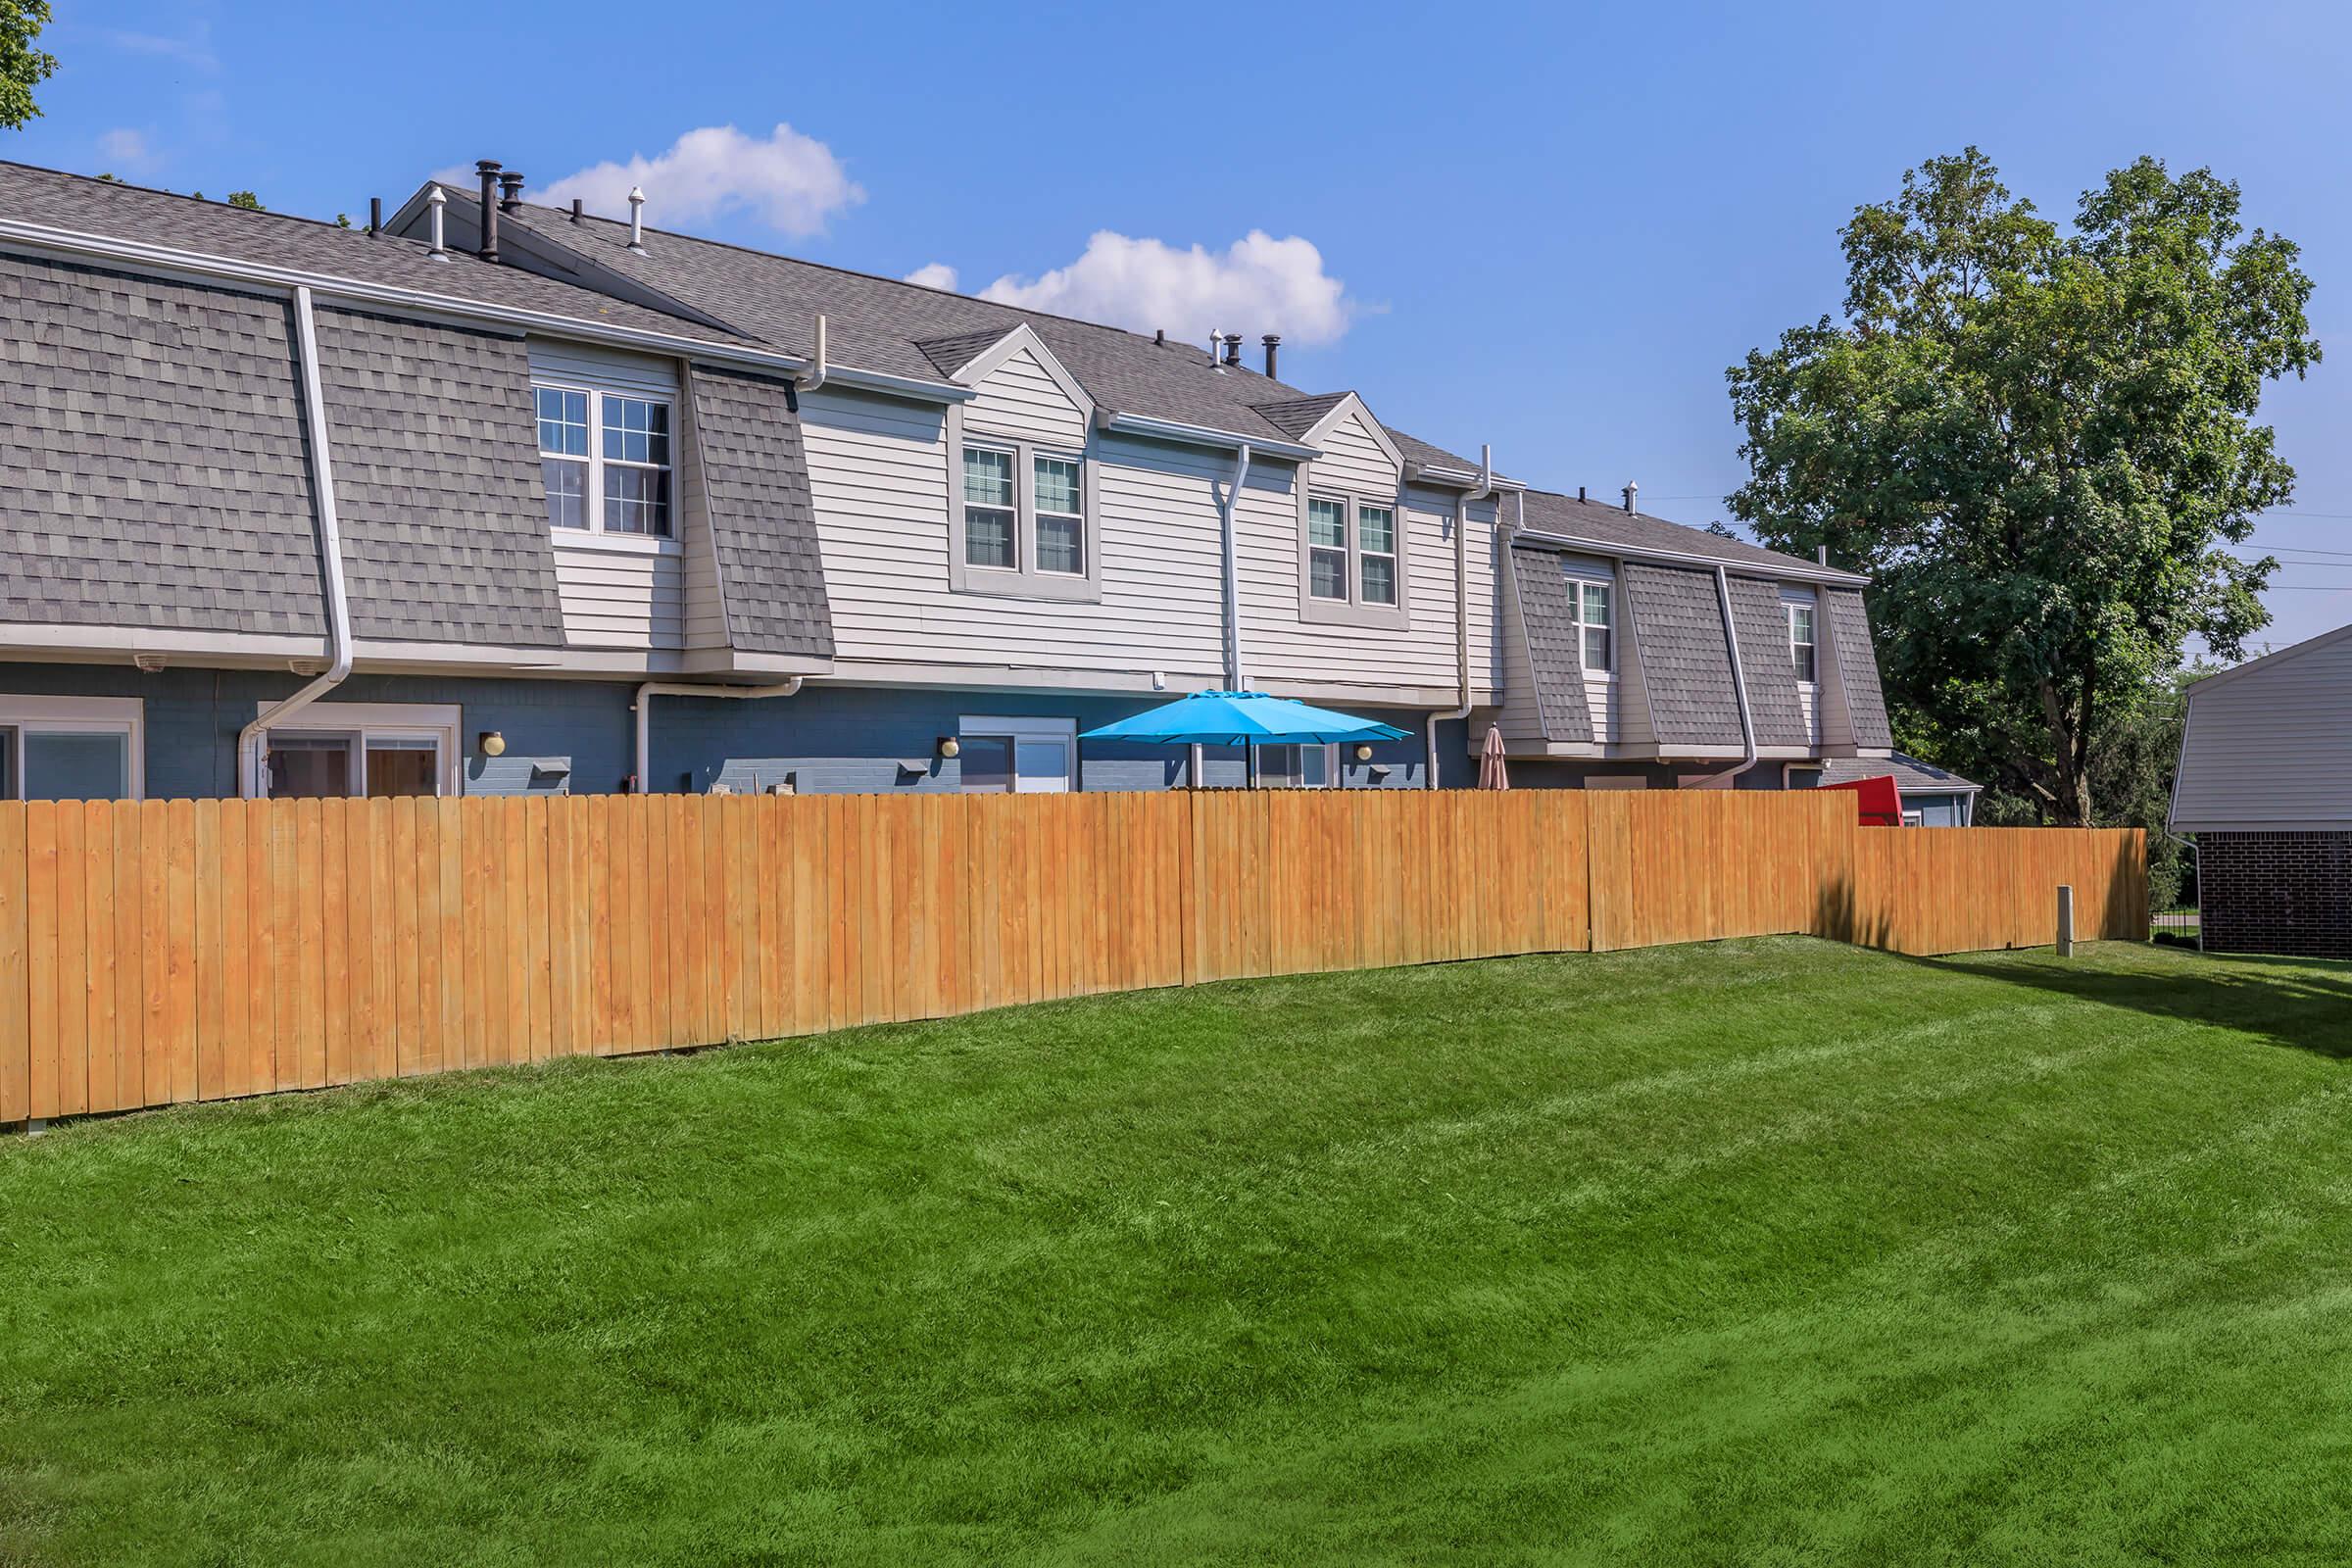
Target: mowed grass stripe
[1752,1251]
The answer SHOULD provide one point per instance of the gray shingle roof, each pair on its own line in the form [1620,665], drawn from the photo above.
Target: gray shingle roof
[215,228]
[1857,666]
[1294,416]
[1614,525]
[155,443]
[882,324]
[1773,704]
[756,483]
[1686,666]
[1556,662]
[437,484]
[1910,774]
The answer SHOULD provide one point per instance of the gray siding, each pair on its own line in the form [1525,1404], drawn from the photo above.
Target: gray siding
[1556,663]
[437,483]
[2271,744]
[1857,667]
[754,482]
[158,469]
[1685,664]
[1773,702]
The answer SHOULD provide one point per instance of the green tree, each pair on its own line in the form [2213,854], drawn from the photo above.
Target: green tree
[247,200]
[22,68]
[2037,443]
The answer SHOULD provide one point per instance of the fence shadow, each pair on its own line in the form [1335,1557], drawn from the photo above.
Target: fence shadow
[2305,1005]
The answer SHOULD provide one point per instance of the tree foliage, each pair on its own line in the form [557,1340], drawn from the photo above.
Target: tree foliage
[2038,444]
[22,68]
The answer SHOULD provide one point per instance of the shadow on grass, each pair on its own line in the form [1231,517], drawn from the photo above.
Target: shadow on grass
[2302,1003]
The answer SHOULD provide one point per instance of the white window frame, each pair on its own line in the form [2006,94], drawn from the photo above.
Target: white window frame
[1791,608]
[1019,728]
[126,717]
[1577,584]
[361,722]
[1274,776]
[1354,610]
[595,463]
[1023,580]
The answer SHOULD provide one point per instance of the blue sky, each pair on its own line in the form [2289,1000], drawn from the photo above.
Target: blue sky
[1548,227]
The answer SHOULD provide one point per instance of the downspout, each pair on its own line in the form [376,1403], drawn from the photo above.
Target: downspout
[1747,723]
[254,736]
[642,780]
[644,705]
[1462,607]
[1233,587]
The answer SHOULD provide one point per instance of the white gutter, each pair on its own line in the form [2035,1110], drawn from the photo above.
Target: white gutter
[1202,435]
[1232,569]
[1461,602]
[198,263]
[815,376]
[644,705]
[252,739]
[1791,571]
[1747,723]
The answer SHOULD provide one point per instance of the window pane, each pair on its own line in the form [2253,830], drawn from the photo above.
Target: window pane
[1597,647]
[309,766]
[1380,579]
[987,537]
[1597,604]
[636,431]
[567,485]
[1327,573]
[986,762]
[1057,485]
[1042,766]
[1326,524]
[402,767]
[76,768]
[1376,531]
[1804,660]
[987,477]
[637,501]
[1277,765]
[1060,545]
[1800,622]
[1314,766]
[563,421]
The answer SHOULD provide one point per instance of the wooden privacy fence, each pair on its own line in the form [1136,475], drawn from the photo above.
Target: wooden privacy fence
[197,950]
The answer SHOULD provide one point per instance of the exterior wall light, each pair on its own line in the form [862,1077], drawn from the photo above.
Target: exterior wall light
[1363,752]
[950,748]
[491,742]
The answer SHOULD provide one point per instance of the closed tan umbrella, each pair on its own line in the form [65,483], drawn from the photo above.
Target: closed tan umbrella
[1492,774]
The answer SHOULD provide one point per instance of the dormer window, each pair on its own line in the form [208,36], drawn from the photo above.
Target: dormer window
[604,459]
[1589,604]
[1802,650]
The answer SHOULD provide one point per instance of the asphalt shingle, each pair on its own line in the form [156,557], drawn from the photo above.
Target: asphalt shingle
[1557,662]
[756,484]
[1685,664]
[1857,666]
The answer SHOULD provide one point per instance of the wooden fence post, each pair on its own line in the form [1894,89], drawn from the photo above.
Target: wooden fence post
[2065,922]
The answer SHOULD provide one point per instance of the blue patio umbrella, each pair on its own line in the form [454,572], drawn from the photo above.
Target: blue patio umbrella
[1244,718]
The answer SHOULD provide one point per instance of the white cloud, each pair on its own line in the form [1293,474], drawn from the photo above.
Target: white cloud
[933,275]
[123,147]
[1258,283]
[791,183]
[195,50]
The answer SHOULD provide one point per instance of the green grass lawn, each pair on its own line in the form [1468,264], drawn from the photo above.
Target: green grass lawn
[1753,1253]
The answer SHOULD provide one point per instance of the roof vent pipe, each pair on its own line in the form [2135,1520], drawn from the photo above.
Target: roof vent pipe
[436,202]
[487,168]
[376,216]
[1233,348]
[1272,341]
[637,219]
[579,210]
[1633,498]
[1579,492]
[510,191]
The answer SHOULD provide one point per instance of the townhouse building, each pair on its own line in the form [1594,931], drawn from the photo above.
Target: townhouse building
[493,497]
